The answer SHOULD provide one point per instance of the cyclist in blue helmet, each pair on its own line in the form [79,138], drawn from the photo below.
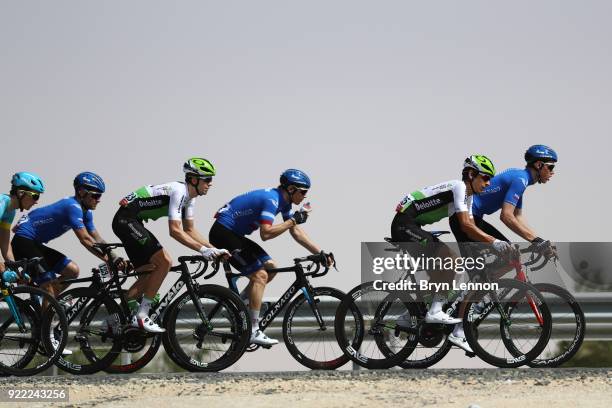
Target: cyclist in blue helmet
[257,210]
[37,228]
[506,194]
[26,189]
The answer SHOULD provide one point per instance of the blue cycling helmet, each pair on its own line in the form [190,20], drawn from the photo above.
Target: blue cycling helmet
[540,152]
[295,177]
[28,181]
[89,181]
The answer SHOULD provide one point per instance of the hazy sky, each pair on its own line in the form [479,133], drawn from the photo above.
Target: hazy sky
[371,99]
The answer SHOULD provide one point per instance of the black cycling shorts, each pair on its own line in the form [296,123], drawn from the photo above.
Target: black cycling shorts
[251,257]
[53,262]
[405,229]
[140,244]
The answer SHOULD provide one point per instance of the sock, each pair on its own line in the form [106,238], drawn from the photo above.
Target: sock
[458,330]
[145,306]
[437,303]
[254,319]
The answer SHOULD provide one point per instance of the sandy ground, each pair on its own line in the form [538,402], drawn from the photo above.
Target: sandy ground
[433,388]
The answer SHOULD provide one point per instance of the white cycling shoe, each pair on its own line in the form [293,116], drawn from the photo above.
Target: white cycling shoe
[460,342]
[259,337]
[441,318]
[146,324]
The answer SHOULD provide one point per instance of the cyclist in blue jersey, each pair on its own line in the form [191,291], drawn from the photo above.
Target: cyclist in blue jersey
[257,210]
[26,189]
[45,224]
[506,193]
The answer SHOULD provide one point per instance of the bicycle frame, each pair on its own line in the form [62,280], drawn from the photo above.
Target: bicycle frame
[301,282]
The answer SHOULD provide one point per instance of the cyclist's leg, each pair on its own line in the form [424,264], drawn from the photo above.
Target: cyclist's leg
[146,253]
[249,260]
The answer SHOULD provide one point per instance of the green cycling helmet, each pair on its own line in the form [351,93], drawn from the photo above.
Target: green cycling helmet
[480,163]
[199,167]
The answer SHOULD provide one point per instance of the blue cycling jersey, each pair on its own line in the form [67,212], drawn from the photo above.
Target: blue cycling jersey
[245,213]
[47,223]
[6,216]
[506,187]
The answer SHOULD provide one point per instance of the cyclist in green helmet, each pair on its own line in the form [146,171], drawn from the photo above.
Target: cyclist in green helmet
[174,200]
[433,203]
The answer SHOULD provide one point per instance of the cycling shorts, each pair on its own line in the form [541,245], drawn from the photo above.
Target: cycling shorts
[139,243]
[251,256]
[52,264]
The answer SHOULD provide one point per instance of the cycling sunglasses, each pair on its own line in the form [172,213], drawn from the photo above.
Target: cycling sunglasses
[551,167]
[94,194]
[485,177]
[303,192]
[35,196]
[205,179]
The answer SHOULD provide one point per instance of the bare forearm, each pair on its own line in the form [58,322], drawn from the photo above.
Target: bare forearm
[275,230]
[185,239]
[302,238]
[518,226]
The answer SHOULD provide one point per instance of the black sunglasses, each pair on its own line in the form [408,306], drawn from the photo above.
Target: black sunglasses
[205,179]
[551,167]
[303,192]
[94,194]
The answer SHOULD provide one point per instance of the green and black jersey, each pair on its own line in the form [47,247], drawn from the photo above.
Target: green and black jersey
[155,201]
[433,203]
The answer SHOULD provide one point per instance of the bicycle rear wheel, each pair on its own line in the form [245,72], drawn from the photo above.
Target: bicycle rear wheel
[94,326]
[367,328]
[312,345]
[509,326]
[32,336]
[207,346]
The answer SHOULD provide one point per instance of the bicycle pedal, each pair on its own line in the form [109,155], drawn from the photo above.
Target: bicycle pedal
[267,347]
[470,355]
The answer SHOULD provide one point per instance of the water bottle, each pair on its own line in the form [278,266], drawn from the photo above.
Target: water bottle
[10,276]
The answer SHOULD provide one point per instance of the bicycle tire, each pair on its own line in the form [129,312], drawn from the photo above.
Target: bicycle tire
[513,294]
[222,306]
[90,335]
[300,309]
[41,353]
[568,348]
[351,334]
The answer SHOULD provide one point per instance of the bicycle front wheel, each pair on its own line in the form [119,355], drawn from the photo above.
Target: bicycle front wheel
[312,344]
[370,326]
[508,326]
[32,331]
[568,326]
[213,343]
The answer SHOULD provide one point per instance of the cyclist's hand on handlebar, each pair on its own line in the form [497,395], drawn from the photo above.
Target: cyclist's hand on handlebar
[544,247]
[120,264]
[221,253]
[502,246]
[300,216]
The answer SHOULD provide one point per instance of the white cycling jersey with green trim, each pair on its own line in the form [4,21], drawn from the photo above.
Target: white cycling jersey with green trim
[154,201]
[433,203]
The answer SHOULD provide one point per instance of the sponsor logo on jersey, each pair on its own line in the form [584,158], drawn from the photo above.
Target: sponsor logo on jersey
[423,205]
[150,203]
